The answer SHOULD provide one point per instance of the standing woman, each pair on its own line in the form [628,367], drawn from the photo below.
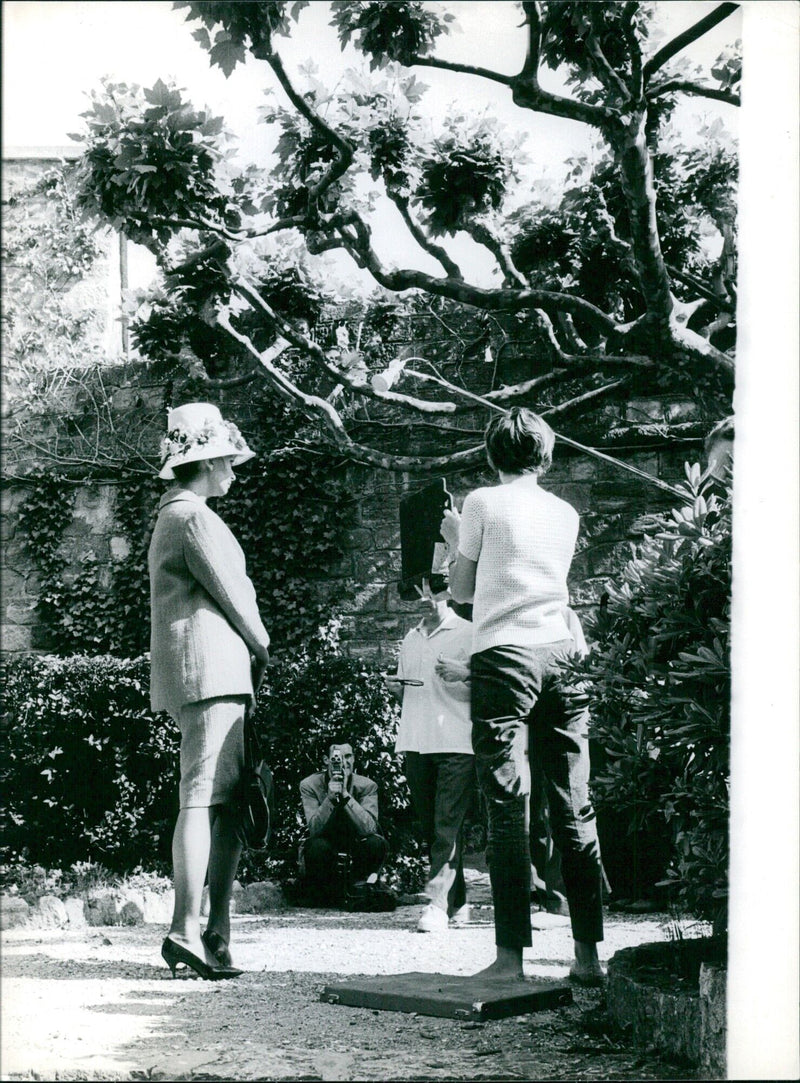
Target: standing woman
[512,548]
[209,651]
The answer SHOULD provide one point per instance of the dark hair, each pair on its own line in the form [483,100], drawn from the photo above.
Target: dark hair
[519,442]
[338,740]
[185,472]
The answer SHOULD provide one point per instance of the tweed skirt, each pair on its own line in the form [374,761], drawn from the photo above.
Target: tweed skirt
[212,750]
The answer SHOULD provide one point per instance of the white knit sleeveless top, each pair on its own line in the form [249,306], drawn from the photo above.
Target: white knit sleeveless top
[523,539]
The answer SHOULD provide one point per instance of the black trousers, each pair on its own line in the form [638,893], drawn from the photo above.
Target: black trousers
[320,855]
[519,702]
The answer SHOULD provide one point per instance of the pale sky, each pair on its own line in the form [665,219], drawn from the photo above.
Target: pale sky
[75,44]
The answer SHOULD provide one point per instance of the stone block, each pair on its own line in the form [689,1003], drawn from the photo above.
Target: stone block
[131,913]
[582,468]
[682,411]
[14,637]
[638,411]
[713,1020]
[360,539]
[370,599]
[260,897]
[120,547]
[14,911]
[95,507]
[76,916]
[21,612]
[49,913]
[102,908]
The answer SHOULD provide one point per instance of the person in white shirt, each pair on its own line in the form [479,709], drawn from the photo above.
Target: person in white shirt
[512,548]
[434,736]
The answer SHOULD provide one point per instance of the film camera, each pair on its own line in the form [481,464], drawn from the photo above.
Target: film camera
[336,765]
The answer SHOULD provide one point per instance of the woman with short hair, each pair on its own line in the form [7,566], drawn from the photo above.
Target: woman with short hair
[512,547]
[208,654]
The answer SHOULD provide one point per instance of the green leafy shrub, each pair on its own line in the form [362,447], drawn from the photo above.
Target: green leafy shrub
[310,698]
[290,511]
[88,773]
[658,681]
[90,776]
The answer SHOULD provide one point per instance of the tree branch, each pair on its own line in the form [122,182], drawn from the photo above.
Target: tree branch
[700,91]
[463,69]
[343,147]
[587,396]
[634,49]
[527,94]
[488,300]
[607,76]
[482,233]
[533,19]
[702,26]
[426,244]
[689,280]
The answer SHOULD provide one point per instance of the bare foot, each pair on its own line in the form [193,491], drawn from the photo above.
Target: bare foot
[587,969]
[507,966]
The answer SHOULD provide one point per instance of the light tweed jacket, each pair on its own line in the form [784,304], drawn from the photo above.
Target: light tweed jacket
[205,623]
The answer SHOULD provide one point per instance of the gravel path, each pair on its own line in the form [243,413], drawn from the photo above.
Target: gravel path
[99,1004]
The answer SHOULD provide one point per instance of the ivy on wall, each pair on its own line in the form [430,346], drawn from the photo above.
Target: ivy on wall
[290,511]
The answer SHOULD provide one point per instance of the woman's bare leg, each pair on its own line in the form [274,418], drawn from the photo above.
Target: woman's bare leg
[191,843]
[223,863]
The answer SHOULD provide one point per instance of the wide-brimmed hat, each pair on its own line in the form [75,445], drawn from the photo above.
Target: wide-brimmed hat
[199,431]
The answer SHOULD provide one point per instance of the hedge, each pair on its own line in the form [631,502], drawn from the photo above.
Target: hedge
[91,774]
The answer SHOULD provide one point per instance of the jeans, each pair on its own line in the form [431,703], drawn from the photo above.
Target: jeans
[442,786]
[520,701]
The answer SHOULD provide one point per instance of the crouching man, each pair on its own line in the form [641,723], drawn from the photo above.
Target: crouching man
[344,848]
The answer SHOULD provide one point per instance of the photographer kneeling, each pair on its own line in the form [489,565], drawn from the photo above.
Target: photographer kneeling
[344,848]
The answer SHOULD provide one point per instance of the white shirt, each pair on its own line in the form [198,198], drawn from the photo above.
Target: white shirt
[435,717]
[522,538]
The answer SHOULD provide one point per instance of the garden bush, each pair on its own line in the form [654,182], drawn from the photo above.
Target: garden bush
[658,681]
[91,775]
[88,773]
[310,697]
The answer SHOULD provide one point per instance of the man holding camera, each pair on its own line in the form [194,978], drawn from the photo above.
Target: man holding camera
[344,847]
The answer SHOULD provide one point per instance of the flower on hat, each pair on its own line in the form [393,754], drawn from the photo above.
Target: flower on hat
[179,441]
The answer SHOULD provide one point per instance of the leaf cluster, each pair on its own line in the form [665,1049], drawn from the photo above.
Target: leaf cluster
[88,773]
[658,681]
[462,180]
[384,32]
[151,158]
[242,27]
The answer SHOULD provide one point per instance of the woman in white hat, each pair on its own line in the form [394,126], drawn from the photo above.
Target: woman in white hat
[208,650]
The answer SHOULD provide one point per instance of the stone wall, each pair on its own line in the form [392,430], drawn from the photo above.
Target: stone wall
[610,503]
[62,433]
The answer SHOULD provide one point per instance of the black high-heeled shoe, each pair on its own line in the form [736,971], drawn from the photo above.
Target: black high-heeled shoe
[173,954]
[218,947]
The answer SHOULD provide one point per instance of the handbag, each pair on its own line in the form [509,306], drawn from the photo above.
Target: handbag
[256,792]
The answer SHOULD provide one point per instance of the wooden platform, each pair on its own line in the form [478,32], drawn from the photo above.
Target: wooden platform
[449,996]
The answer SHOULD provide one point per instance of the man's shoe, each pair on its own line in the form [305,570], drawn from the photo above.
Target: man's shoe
[432,920]
[461,916]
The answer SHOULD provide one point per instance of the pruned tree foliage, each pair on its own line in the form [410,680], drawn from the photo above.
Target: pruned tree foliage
[626,274]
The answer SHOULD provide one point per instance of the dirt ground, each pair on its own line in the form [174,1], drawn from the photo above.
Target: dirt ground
[100,1004]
